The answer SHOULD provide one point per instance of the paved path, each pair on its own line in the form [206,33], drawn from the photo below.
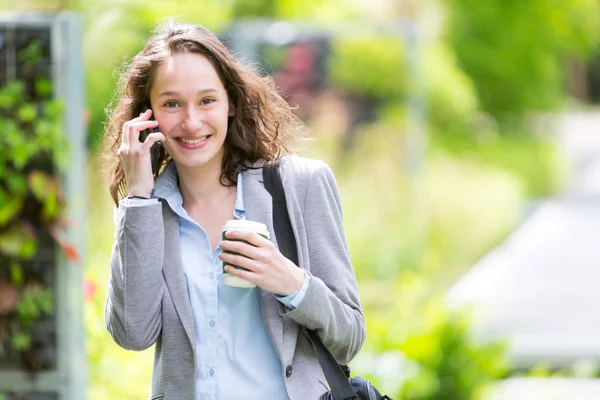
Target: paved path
[541,287]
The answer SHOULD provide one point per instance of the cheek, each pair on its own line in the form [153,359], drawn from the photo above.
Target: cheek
[218,118]
[167,122]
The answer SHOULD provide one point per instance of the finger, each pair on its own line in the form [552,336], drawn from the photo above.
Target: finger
[242,273]
[126,132]
[241,261]
[252,238]
[144,116]
[245,249]
[151,139]
[136,127]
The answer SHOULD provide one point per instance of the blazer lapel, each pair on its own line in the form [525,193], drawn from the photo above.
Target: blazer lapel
[257,202]
[173,273]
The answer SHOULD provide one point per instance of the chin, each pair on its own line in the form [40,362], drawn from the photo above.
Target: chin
[198,161]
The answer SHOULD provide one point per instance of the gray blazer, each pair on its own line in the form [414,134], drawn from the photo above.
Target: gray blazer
[148,302]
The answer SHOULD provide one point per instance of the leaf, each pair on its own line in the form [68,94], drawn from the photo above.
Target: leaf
[27,113]
[16,184]
[6,101]
[43,87]
[68,248]
[21,341]
[54,109]
[42,185]
[11,133]
[71,252]
[10,209]
[16,274]
[18,241]
[29,248]
[31,54]
[51,209]
[12,94]
[20,155]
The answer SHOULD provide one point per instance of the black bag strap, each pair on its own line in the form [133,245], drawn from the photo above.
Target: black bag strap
[337,379]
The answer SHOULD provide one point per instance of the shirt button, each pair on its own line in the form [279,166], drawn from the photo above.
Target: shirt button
[212,323]
[288,371]
[211,372]
[212,275]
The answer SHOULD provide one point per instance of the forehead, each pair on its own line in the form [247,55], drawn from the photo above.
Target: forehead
[186,73]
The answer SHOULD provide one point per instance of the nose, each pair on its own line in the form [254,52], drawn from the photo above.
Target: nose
[192,121]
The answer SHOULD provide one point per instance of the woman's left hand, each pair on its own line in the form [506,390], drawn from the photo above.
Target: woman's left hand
[265,265]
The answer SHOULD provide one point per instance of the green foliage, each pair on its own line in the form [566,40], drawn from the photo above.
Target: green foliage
[254,8]
[35,151]
[399,223]
[35,302]
[451,99]
[21,341]
[515,51]
[32,133]
[536,161]
[453,365]
[307,10]
[368,66]
[436,355]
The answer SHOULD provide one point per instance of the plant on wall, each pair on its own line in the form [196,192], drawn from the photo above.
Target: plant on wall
[35,152]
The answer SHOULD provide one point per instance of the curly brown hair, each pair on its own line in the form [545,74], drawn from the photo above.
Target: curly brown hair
[262,128]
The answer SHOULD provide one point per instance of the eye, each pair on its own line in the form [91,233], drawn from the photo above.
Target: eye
[208,100]
[171,104]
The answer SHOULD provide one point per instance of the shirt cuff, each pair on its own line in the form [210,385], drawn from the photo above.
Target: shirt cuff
[293,300]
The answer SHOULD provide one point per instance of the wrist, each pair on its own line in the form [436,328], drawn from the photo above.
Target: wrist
[145,194]
[297,281]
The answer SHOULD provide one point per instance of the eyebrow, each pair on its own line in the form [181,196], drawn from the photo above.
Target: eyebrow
[175,93]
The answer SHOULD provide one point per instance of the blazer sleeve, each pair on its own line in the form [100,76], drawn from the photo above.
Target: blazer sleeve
[331,305]
[133,311]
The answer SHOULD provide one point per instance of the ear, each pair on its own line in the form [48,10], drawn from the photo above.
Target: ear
[231,111]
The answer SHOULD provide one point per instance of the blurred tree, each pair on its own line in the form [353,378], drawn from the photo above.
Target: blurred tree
[515,51]
[255,8]
[307,10]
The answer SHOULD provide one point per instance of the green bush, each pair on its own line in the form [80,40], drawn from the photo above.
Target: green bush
[426,352]
[536,161]
[368,66]
[451,99]
[515,52]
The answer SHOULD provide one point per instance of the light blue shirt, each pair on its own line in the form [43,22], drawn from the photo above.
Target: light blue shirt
[234,357]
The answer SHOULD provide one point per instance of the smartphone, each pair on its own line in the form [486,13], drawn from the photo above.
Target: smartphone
[155,149]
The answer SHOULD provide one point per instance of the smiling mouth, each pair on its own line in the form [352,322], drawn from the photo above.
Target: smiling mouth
[193,141]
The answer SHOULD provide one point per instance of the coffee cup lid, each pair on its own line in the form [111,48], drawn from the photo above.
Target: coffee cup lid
[245,225]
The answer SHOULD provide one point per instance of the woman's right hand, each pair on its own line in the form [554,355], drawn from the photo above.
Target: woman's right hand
[135,155]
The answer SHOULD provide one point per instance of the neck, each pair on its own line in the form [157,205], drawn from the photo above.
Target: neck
[201,185]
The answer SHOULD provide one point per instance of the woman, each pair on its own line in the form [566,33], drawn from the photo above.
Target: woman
[218,123]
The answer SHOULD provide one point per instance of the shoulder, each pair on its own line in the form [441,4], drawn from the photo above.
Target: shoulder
[297,173]
[304,169]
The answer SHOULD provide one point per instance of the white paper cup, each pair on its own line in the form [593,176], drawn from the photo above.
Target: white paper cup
[241,225]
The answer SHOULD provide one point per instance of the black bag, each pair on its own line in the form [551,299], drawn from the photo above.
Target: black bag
[342,386]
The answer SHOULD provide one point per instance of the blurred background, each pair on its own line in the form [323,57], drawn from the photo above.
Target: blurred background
[464,138]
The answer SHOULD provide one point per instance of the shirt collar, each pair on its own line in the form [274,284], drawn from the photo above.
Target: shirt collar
[166,187]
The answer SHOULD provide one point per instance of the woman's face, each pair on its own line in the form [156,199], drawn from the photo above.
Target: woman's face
[191,106]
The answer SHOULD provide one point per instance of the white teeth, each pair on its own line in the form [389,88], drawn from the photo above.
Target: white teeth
[193,141]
